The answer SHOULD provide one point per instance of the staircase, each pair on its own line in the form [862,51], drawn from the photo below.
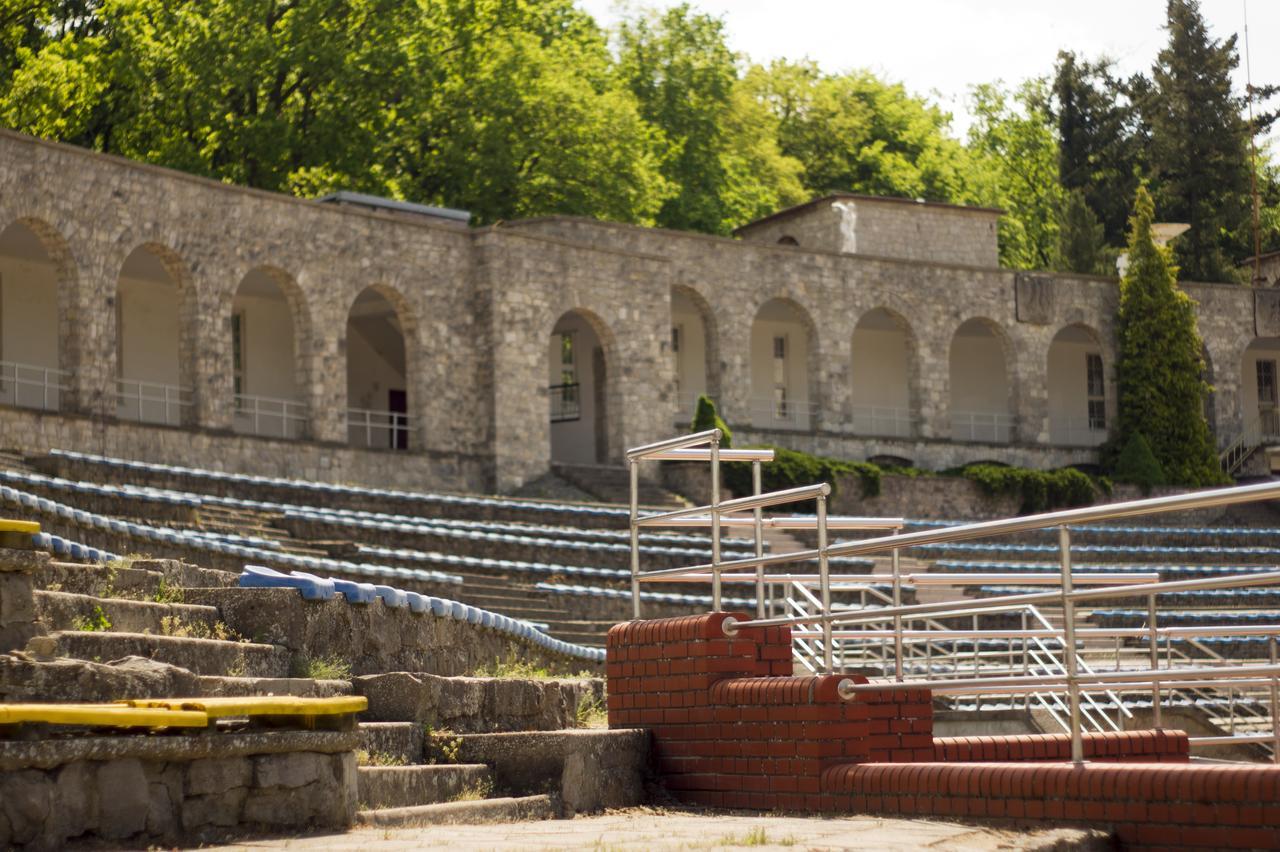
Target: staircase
[612,484]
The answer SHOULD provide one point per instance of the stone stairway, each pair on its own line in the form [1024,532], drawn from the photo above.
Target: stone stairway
[612,484]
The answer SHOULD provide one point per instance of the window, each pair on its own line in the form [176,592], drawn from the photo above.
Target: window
[675,338]
[564,396]
[1097,392]
[676,334]
[1267,398]
[781,410]
[237,354]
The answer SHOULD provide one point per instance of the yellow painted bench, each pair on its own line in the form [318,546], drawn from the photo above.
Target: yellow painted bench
[17,534]
[270,710]
[101,716]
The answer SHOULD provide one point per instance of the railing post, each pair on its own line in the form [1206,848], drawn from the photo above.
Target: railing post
[634,469]
[894,557]
[824,579]
[1153,650]
[1069,650]
[756,478]
[1275,705]
[715,522]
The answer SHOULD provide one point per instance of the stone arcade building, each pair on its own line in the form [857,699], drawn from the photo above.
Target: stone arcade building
[147,313]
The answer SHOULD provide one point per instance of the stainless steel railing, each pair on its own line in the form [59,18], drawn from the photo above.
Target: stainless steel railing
[816,620]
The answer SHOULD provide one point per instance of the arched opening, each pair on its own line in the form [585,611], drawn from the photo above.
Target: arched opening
[149,369]
[264,357]
[883,351]
[377,375]
[29,358]
[693,351]
[979,384]
[787,240]
[1260,402]
[781,347]
[578,387]
[1077,388]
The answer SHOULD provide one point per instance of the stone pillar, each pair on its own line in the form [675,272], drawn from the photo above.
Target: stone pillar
[92,358]
[204,352]
[933,388]
[1029,385]
[326,390]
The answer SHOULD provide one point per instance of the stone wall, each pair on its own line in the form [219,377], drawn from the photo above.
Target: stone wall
[137,790]
[477,308]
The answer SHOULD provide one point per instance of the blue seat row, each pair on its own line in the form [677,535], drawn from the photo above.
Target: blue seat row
[659,597]
[206,543]
[512,565]
[929,523]
[67,549]
[312,587]
[332,489]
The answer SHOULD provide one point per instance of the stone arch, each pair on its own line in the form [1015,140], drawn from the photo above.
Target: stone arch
[380,343]
[268,321]
[981,408]
[583,387]
[38,316]
[1077,385]
[884,373]
[155,323]
[788,240]
[784,376]
[695,341]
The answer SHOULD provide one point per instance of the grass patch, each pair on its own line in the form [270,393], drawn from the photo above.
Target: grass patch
[167,593]
[377,758]
[95,622]
[591,713]
[755,837]
[326,668]
[441,746]
[516,669]
[474,792]
[173,625]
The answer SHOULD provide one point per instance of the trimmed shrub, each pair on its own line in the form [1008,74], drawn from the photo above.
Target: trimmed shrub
[706,417]
[1137,465]
[791,469]
[1038,490]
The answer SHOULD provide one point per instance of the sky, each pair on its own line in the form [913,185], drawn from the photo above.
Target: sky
[942,47]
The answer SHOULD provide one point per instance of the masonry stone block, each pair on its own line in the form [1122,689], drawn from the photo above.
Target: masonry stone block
[124,798]
[288,770]
[214,775]
[25,800]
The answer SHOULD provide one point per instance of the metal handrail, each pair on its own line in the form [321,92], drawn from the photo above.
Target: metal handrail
[15,376]
[757,501]
[272,409]
[169,396]
[794,522]
[390,423]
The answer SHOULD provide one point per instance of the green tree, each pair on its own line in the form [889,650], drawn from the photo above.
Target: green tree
[721,158]
[856,133]
[1199,144]
[1081,237]
[1015,145]
[1137,465]
[1159,370]
[705,417]
[1101,139]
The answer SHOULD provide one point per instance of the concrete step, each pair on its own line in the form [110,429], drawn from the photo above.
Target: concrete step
[383,787]
[201,656]
[522,809]
[402,741]
[221,685]
[67,611]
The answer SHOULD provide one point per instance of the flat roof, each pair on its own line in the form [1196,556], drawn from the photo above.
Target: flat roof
[854,196]
[379,203]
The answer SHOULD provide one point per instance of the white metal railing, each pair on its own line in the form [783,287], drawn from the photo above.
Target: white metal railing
[379,430]
[270,416]
[1077,432]
[1061,681]
[765,412]
[31,386]
[993,427]
[1261,429]
[882,420]
[151,402]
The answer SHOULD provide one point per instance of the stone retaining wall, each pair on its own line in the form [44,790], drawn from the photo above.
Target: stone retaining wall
[138,790]
[477,705]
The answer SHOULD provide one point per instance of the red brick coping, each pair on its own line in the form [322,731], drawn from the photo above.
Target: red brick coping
[732,728]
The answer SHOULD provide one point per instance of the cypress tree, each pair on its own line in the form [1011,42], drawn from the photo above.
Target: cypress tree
[1081,241]
[1199,144]
[706,417]
[1158,372]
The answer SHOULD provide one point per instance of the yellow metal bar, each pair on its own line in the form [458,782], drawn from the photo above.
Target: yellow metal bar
[102,715]
[261,705]
[11,526]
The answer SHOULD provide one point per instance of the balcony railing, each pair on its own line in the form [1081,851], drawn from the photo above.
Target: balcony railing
[378,430]
[269,416]
[766,412]
[1077,432]
[566,402]
[882,420]
[29,386]
[986,426]
[151,402]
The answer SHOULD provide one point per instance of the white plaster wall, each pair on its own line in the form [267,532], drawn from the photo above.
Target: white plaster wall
[149,337]
[269,347]
[879,368]
[574,441]
[979,382]
[770,323]
[691,360]
[1261,349]
[29,311]
[369,375]
[1069,390]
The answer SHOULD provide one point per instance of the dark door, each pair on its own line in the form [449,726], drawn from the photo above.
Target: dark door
[398,405]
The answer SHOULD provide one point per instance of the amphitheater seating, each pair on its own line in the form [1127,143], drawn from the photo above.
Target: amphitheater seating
[317,588]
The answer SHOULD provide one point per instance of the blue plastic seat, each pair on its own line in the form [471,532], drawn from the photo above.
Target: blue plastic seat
[261,577]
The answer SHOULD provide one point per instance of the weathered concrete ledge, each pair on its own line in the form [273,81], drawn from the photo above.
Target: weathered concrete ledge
[140,789]
[476,705]
[23,678]
[591,769]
